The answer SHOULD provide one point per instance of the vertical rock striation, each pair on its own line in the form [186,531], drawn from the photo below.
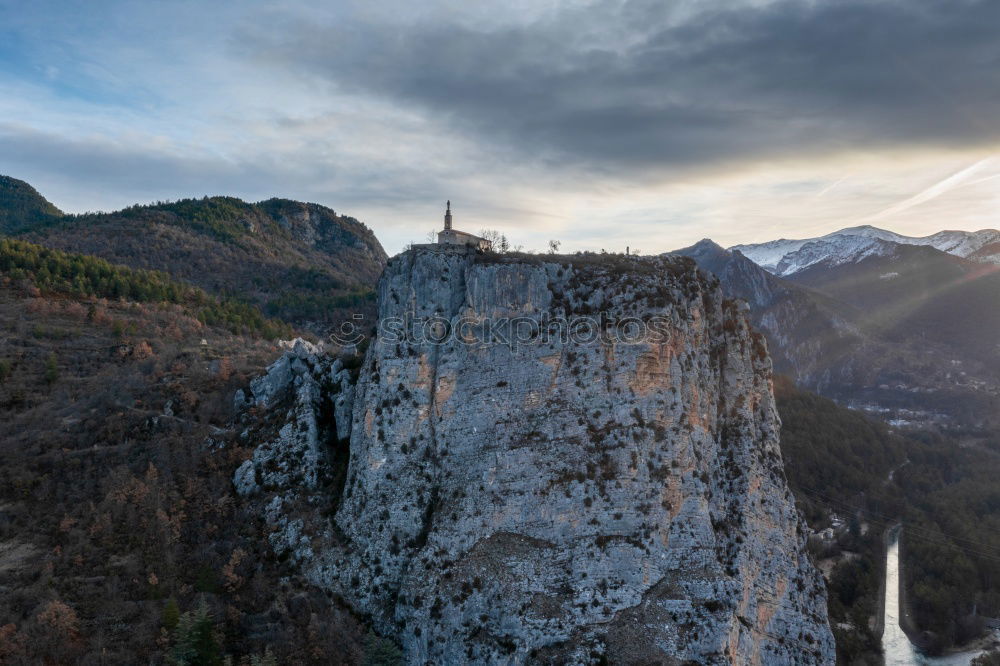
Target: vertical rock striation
[565,500]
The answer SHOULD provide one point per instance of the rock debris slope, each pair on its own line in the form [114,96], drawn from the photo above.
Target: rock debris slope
[560,500]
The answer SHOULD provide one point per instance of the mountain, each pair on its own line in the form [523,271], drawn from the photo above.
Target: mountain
[300,262]
[808,333]
[22,206]
[786,257]
[909,334]
[565,499]
[931,304]
[941,311]
[922,295]
[987,254]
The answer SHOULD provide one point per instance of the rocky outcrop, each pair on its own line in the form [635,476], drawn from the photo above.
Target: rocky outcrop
[312,395]
[565,460]
[320,227]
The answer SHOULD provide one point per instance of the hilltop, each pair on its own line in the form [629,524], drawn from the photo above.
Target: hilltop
[786,257]
[300,262]
[21,206]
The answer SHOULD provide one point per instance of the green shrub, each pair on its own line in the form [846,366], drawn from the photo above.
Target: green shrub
[171,614]
[194,640]
[381,652]
[51,369]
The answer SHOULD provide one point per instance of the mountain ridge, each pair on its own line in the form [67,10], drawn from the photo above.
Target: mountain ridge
[792,316]
[785,257]
[876,334]
[301,262]
[21,206]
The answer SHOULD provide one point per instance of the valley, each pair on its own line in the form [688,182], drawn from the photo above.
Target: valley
[440,333]
[158,458]
[917,349]
[896,644]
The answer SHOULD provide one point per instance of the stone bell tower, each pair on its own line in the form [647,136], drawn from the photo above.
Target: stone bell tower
[455,237]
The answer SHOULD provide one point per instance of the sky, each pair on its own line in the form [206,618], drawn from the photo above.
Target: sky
[642,123]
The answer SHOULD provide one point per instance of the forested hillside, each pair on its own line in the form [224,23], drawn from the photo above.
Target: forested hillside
[837,462]
[942,490]
[299,262]
[120,535]
[60,273]
[124,337]
[21,206]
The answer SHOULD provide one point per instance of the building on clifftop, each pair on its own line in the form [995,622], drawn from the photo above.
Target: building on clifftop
[449,236]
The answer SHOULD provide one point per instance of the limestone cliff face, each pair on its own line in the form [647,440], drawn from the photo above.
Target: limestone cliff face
[568,499]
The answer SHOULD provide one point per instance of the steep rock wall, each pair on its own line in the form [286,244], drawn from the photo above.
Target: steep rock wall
[565,500]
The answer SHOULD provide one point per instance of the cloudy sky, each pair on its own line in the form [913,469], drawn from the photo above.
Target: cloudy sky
[648,123]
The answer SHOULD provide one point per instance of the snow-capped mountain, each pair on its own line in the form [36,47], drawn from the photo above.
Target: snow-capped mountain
[785,257]
[908,331]
[791,317]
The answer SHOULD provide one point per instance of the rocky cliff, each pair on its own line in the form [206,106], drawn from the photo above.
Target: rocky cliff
[523,491]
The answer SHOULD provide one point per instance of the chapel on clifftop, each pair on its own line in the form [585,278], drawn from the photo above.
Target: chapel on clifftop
[449,236]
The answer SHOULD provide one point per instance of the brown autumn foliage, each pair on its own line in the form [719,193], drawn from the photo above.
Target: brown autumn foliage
[115,508]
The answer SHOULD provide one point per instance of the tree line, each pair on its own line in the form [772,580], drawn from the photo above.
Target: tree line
[84,276]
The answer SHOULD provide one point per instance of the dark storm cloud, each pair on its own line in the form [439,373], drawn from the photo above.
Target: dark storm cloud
[624,88]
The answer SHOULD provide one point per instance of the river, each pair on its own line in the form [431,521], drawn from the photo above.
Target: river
[896,646]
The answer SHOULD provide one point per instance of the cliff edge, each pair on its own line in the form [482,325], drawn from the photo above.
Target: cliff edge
[558,460]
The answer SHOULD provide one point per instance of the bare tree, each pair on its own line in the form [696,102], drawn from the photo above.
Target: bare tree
[497,240]
[554,246]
